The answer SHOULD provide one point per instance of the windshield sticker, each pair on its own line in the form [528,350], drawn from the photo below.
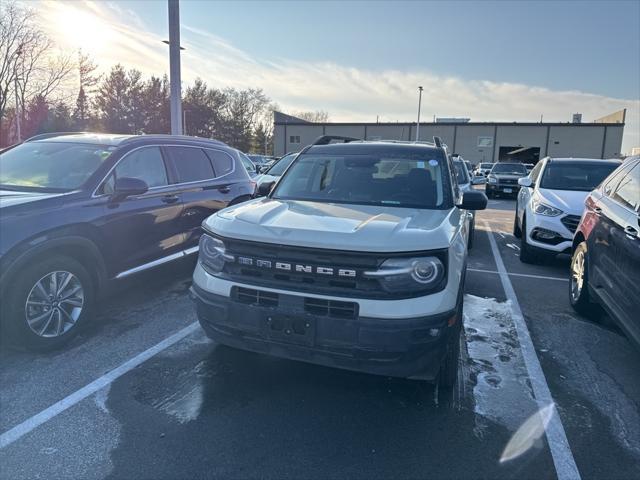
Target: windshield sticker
[433,163]
[420,164]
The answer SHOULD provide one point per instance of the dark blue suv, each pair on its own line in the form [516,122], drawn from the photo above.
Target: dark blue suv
[79,210]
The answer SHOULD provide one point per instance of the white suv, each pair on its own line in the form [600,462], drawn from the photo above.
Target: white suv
[355,259]
[551,201]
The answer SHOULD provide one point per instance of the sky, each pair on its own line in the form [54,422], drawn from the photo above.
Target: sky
[490,61]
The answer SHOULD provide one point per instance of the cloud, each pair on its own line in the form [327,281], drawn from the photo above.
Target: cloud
[348,94]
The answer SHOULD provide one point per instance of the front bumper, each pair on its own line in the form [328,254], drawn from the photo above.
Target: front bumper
[541,224]
[502,189]
[410,348]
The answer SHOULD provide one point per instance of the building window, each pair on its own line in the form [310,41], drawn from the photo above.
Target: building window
[484,142]
[294,139]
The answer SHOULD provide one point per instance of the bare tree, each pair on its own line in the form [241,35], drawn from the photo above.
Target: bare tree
[27,67]
[319,116]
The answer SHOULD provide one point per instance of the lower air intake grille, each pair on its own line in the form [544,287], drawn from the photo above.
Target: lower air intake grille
[256,297]
[330,308]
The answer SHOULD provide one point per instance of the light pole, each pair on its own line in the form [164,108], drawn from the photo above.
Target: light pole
[18,113]
[419,105]
[174,67]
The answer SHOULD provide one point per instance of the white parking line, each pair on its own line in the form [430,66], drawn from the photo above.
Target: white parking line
[566,468]
[10,436]
[541,277]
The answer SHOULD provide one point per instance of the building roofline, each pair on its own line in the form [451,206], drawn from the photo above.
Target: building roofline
[426,124]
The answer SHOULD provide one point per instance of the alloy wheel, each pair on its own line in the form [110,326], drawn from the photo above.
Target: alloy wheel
[577,275]
[54,304]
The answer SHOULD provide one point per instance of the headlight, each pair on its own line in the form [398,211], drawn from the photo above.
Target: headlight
[212,254]
[409,274]
[542,209]
[493,180]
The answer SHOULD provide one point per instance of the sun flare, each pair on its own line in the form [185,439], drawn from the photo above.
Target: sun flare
[82,29]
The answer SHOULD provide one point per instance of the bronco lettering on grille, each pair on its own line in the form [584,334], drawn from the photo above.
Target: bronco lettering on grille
[299,268]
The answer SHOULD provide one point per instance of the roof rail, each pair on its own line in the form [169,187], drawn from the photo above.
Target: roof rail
[326,139]
[44,136]
[437,142]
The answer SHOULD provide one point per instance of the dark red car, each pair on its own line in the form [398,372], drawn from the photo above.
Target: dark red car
[605,267]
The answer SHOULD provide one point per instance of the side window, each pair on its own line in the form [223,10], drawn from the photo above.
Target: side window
[146,164]
[535,173]
[248,164]
[222,162]
[628,191]
[192,164]
[612,180]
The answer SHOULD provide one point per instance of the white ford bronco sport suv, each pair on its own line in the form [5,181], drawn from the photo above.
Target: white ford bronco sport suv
[355,259]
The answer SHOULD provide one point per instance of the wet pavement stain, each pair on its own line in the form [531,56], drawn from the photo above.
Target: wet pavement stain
[262,417]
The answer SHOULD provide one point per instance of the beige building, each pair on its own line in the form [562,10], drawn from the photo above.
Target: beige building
[476,142]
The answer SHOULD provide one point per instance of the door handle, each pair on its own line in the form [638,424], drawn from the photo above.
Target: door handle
[170,199]
[597,210]
[224,189]
[631,232]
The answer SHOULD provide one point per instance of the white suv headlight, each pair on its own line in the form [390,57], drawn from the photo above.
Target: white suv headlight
[410,274]
[492,180]
[212,254]
[543,209]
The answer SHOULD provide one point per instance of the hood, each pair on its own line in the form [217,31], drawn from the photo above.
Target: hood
[337,226]
[9,198]
[568,201]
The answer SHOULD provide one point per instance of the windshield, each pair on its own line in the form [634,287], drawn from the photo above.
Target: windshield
[461,173]
[509,168]
[581,177]
[486,165]
[281,165]
[413,181]
[56,166]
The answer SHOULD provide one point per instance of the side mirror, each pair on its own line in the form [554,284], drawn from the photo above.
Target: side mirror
[473,200]
[127,187]
[264,189]
[479,180]
[525,182]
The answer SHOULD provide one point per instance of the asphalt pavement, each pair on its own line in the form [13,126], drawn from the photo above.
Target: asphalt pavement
[142,393]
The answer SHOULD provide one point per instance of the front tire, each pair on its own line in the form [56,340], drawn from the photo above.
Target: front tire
[472,233]
[517,231]
[527,252]
[579,284]
[48,302]
[448,375]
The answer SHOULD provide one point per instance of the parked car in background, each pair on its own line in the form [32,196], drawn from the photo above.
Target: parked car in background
[77,211]
[503,179]
[465,183]
[259,159]
[605,266]
[276,169]
[484,168]
[356,259]
[551,201]
[252,169]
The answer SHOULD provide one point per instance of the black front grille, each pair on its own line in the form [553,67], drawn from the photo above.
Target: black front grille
[508,181]
[571,222]
[312,282]
[330,308]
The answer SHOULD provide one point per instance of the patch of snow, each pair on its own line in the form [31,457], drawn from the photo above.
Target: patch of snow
[501,388]
[101,398]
